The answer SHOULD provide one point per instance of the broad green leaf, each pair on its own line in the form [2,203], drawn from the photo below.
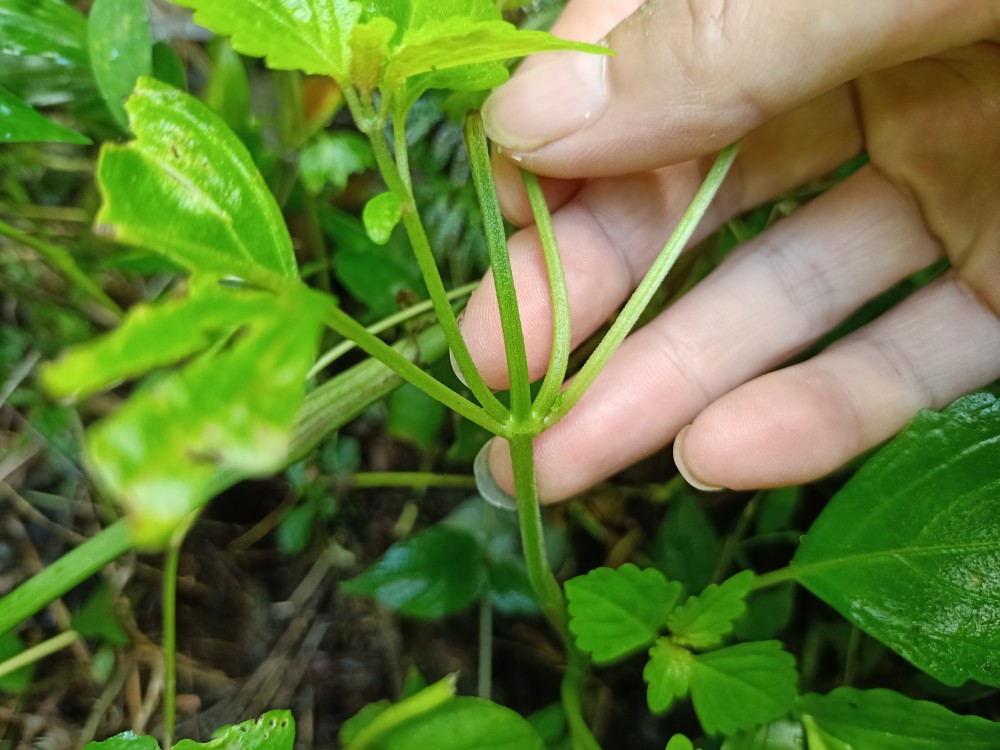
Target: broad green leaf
[768,612]
[228,90]
[510,589]
[126,741]
[679,742]
[443,44]
[376,278]
[783,734]
[19,123]
[667,673]
[275,730]
[97,619]
[741,686]
[434,573]
[462,724]
[155,335]
[290,34]
[909,549]
[168,66]
[703,620]
[613,613]
[225,416]
[20,679]
[381,215]
[120,50]
[687,547]
[413,14]
[353,726]
[187,188]
[331,158]
[43,52]
[369,51]
[415,416]
[886,720]
[465,78]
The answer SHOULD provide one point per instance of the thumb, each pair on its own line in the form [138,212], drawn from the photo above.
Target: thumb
[690,77]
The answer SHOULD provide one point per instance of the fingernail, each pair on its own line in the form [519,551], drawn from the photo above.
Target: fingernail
[487,485]
[683,469]
[548,102]
[454,366]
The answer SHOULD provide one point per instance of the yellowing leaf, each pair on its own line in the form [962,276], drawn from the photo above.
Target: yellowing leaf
[187,188]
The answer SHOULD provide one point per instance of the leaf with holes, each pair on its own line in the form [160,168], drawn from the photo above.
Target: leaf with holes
[614,613]
[909,549]
[213,212]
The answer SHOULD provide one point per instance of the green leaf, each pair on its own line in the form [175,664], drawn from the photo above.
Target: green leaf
[769,611]
[187,188]
[686,547]
[432,574]
[443,44]
[228,90]
[668,674]
[120,50]
[465,78]
[741,686]
[909,549]
[19,123]
[783,734]
[20,679]
[376,278]
[510,589]
[275,730]
[331,158]
[381,215]
[168,66]
[703,620]
[225,416]
[614,613]
[156,335]
[126,741]
[415,416]
[289,34]
[369,51]
[43,56]
[96,618]
[679,742]
[886,720]
[463,724]
[413,14]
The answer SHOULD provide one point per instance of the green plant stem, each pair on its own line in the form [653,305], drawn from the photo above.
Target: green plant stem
[419,480]
[547,590]
[775,577]
[62,260]
[423,702]
[338,351]
[60,576]
[633,309]
[368,122]
[561,342]
[39,652]
[503,276]
[399,145]
[170,563]
[346,326]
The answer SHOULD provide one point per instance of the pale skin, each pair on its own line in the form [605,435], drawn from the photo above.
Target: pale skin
[623,143]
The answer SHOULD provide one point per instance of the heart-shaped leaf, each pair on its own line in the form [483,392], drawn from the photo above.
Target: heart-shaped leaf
[909,549]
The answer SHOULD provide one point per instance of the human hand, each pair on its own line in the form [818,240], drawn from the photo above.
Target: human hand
[626,140]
